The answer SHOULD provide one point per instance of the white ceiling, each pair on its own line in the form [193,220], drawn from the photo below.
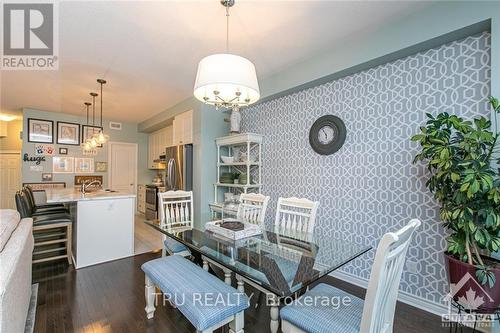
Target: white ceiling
[149,51]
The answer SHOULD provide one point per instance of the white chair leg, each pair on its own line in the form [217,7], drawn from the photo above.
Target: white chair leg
[275,312]
[150,293]
[227,276]
[241,284]
[205,265]
[238,323]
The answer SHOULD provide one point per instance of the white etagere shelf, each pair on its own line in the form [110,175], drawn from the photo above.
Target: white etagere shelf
[251,145]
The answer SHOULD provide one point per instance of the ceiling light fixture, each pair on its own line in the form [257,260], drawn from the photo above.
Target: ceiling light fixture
[6,117]
[226,80]
[93,141]
[86,146]
[101,137]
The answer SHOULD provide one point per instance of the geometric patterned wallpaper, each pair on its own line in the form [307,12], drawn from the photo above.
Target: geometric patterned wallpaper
[370,187]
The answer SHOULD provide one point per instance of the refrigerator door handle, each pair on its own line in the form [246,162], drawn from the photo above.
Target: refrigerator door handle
[170,174]
[173,174]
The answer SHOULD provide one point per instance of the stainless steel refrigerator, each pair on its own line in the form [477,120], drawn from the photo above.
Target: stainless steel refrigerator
[179,168]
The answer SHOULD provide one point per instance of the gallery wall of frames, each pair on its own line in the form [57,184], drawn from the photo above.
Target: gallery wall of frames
[51,150]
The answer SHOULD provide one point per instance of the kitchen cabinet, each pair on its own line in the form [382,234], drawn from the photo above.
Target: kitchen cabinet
[183,128]
[157,143]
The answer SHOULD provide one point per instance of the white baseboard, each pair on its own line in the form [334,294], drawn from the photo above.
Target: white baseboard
[416,301]
[404,297]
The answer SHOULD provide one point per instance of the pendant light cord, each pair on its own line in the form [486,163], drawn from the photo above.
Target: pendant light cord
[227,29]
[101,106]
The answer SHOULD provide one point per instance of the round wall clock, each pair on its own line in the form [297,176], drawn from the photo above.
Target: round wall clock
[327,134]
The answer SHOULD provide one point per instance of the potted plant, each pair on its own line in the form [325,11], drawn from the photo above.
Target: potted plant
[465,180]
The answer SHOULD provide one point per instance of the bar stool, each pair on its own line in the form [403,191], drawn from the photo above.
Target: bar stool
[52,231]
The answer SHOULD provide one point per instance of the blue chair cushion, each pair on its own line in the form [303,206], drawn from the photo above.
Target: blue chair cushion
[321,316]
[201,297]
[174,246]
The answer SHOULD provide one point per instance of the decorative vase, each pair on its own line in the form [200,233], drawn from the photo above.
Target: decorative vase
[235,120]
[463,280]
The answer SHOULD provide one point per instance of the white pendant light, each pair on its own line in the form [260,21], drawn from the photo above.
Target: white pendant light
[86,146]
[226,80]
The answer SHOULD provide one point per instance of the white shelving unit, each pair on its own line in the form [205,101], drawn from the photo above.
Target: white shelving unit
[249,143]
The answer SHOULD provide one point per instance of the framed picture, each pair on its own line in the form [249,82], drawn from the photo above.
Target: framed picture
[84,165]
[62,164]
[40,130]
[79,180]
[101,166]
[63,151]
[88,131]
[46,177]
[68,133]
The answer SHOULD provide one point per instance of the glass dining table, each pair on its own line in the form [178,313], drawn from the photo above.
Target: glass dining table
[277,262]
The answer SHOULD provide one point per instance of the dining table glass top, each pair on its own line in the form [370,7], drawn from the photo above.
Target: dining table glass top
[278,260]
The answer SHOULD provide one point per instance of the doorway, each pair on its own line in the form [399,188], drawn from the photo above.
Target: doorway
[122,172]
[10,177]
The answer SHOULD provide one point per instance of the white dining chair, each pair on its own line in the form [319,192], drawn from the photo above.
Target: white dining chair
[252,208]
[375,314]
[295,216]
[176,210]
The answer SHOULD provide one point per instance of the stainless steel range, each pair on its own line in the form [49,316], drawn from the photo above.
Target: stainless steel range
[152,201]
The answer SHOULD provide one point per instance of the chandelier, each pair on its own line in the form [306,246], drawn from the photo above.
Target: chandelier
[86,146]
[226,80]
[90,145]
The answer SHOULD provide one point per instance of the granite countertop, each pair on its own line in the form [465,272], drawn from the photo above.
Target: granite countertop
[73,194]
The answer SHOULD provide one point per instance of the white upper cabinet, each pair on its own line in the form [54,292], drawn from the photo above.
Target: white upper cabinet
[183,128]
[158,141]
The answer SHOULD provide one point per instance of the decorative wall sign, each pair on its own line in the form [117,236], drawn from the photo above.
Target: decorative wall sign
[84,165]
[63,151]
[36,168]
[101,166]
[68,133]
[48,150]
[79,180]
[36,159]
[327,134]
[46,177]
[37,187]
[40,130]
[62,164]
[88,131]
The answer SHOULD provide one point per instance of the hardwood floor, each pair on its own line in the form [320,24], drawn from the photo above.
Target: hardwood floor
[110,298]
[146,239]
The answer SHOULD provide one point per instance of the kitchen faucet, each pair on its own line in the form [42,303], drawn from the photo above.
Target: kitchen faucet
[86,185]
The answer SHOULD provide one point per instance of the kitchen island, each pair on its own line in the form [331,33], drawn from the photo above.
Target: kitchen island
[103,224]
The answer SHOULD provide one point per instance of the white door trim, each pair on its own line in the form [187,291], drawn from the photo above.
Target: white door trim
[14,153]
[136,146]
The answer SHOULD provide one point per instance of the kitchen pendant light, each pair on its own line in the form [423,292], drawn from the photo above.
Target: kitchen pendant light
[93,141]
[86,147]
[226,80]
[101,137]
